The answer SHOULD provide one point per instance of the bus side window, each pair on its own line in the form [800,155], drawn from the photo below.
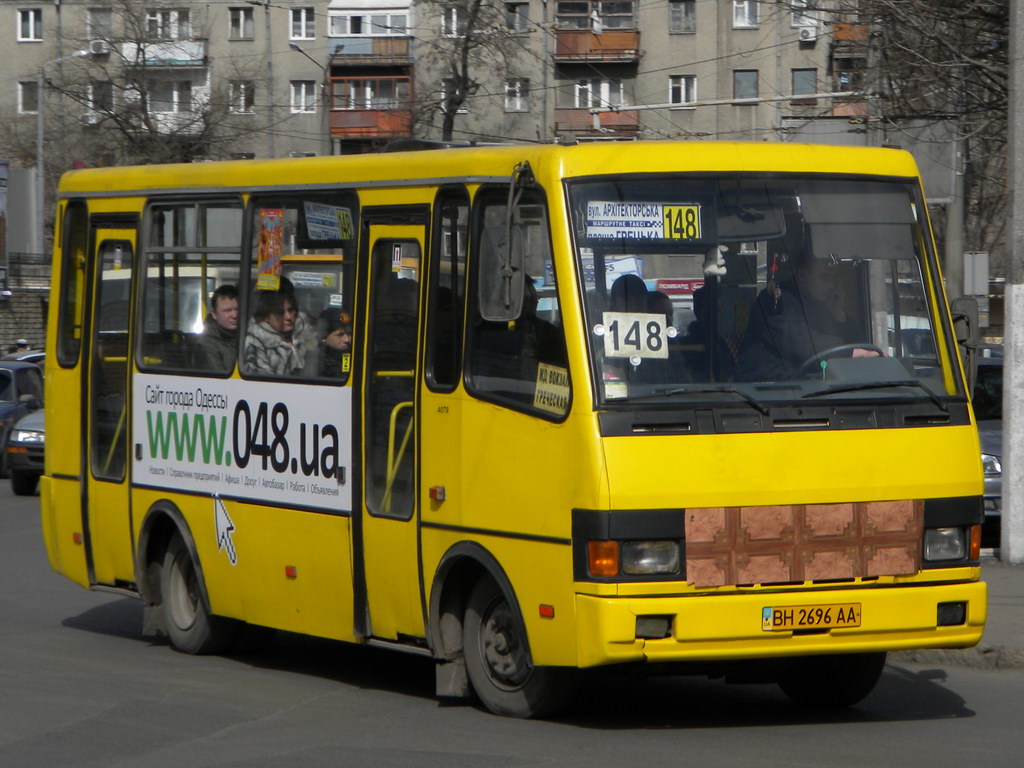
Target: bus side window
[447,289]
[522,364]
[192,252]
[302,271]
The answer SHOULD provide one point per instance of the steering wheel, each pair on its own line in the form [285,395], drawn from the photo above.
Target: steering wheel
[811,364]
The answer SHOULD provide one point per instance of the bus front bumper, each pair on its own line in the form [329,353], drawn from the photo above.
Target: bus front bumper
[709,627]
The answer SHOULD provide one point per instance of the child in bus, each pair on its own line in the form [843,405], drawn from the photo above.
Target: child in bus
[335,343]
[280,340]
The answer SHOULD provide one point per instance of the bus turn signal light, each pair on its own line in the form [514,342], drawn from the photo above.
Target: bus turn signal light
[603,558]
[975,542]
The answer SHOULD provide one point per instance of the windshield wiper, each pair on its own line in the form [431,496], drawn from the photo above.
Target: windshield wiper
[753,401]
[837,388]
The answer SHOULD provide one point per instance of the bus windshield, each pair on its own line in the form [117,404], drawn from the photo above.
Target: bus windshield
[771,287]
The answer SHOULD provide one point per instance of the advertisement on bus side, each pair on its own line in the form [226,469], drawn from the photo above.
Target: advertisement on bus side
[261,441]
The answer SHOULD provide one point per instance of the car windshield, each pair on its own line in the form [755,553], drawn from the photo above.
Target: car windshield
[757,288]
[6,386]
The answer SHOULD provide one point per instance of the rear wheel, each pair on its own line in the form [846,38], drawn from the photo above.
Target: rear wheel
[832,681]
[190,626]
[498,660]
[23,483]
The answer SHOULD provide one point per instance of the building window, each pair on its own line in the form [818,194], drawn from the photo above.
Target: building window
[596,16]
[100,23]
[351,24]
[682,89]
[517,91]
[241,97]
[596,92]
[802,14]
[30,25]
[28,97]
[101,97]
[170,96]
[303,24]
[744,14]
[682,17]
[805,83]
[168,25]
[242,26]
[744,84]
[452,22]
[303,97]
[517,17]
[849,74]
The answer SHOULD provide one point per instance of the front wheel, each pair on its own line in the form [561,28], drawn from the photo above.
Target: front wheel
[498,660]
[23,483]
[190,626]
[832,681]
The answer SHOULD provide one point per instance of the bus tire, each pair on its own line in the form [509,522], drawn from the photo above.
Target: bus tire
[191,628]
[831,681]
[498,660]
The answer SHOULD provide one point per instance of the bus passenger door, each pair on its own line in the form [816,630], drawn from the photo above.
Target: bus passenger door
[107,511]
[390,514]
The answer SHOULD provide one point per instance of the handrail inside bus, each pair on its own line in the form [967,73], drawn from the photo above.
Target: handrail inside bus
[394,457]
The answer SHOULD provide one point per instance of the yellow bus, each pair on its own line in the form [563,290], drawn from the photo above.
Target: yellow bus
[692,405]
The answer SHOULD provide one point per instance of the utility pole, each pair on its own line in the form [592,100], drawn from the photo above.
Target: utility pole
[1011,545]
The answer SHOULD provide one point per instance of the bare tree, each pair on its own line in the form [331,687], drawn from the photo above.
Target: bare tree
[470,47]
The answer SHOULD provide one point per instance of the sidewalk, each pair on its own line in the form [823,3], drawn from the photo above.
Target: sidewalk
[1002,646]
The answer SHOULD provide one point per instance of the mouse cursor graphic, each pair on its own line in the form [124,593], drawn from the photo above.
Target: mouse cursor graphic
[224,530]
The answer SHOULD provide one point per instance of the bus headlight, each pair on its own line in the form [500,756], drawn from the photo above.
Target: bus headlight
[650,557]
[945,544]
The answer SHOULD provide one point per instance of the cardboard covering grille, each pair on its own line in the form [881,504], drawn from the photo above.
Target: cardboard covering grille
[812,542]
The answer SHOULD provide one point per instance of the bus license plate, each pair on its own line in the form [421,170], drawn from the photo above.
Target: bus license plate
[787,618]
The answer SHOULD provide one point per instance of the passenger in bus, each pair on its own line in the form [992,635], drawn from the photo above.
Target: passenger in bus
[628,294]
[335,335]
[217,345]
[798,319]
[280,340]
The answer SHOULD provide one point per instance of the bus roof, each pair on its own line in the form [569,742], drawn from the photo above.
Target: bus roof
[494,162]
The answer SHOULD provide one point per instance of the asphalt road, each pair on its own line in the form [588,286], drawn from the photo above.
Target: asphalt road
[79,686]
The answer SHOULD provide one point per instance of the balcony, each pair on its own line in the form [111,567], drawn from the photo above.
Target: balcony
[371,123]
[850,33]
[625,122]
[582,45]
[165,53]
[370,51]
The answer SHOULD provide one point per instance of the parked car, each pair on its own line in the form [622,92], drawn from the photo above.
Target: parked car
[37,356]
[21,391]
[988,411]
[25,452]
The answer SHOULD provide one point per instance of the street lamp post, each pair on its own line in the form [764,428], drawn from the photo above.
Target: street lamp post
[39,238]
[325,137]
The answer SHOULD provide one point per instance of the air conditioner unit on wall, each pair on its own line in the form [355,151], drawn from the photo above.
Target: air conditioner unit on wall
[91,118]
[808,34]
[99,47]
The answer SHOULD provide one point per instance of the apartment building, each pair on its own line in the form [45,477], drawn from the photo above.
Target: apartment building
[230,78]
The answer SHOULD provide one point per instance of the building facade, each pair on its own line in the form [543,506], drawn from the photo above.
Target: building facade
[105,82]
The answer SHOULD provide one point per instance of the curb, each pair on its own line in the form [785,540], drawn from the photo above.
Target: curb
[980,657]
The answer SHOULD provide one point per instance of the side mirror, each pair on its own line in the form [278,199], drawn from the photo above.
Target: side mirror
[32,402]
[501,263]
[967,330]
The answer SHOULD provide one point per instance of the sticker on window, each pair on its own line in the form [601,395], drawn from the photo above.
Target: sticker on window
[328,222]
[634,334]
[552,389]
[643,221]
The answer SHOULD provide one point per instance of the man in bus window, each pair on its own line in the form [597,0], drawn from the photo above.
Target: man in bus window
[280,340]
[793,322]
[217,345]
